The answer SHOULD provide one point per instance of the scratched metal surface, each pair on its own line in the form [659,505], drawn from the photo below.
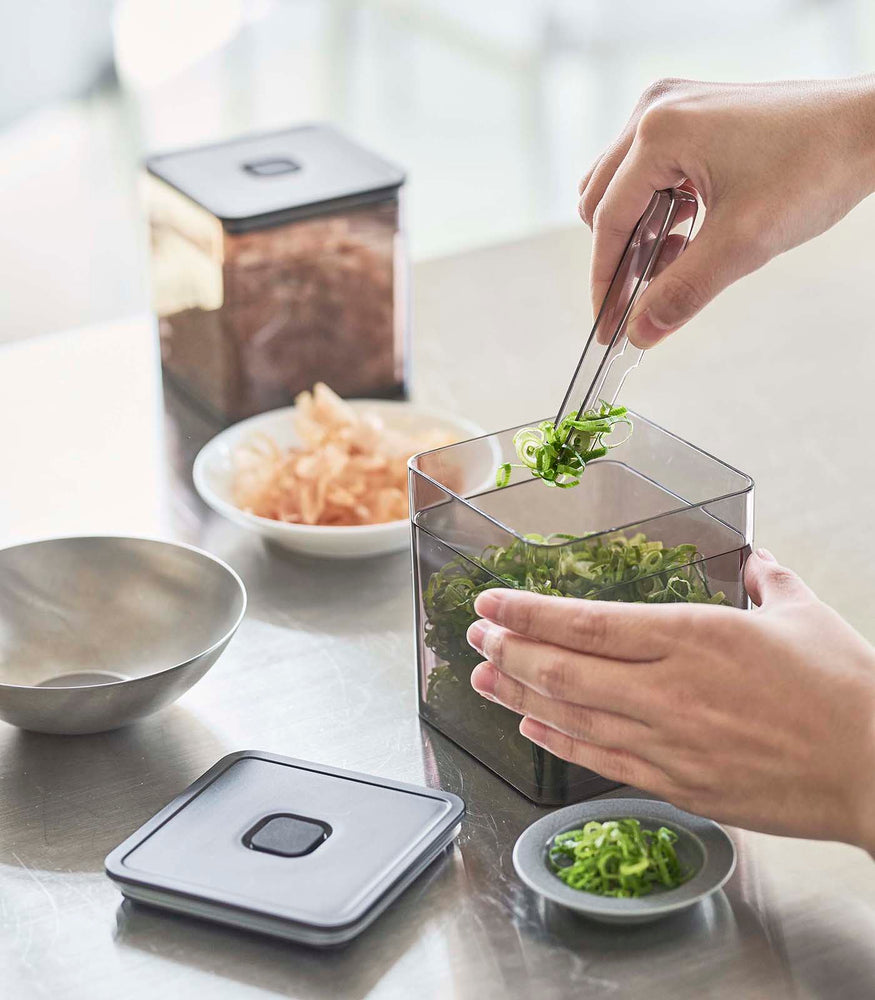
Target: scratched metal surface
[322,668]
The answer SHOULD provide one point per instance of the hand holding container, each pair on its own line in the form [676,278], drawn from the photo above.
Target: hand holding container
[656,520]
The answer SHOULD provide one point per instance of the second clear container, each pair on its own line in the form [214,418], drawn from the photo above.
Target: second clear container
[658,520]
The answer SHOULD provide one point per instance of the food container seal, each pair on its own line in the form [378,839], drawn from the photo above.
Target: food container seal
[266,180]
[287,847]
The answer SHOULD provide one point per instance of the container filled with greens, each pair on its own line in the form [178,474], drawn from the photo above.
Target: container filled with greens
[598,503]
[655,520]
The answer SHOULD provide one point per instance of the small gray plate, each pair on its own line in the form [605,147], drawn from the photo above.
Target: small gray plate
[702,845]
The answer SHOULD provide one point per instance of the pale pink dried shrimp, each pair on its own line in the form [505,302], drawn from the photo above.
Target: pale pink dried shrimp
[351,469]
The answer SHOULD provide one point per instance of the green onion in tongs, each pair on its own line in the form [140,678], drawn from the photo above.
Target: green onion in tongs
[558,454]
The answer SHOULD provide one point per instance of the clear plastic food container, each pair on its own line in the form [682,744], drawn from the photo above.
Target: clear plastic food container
[278,261]
[658,520]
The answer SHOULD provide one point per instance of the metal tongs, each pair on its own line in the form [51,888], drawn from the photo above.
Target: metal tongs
[660,236]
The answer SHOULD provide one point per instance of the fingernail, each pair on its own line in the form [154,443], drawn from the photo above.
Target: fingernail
[644,330]
[477,633]
[765,555]
[483,679]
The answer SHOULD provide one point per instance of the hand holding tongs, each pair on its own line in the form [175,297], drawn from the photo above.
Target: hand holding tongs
[661,235]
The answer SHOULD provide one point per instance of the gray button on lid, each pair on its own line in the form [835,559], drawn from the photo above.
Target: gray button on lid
[288,836]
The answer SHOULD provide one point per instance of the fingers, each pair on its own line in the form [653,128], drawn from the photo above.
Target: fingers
[713,260]
[614,764]
[632,266]
[602,628]
[768,583]
[584,181]
[644,170]
[593,186]
[554,672]
[595,182]
[580,721]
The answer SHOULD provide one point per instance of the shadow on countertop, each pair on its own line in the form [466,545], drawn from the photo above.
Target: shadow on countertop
[348,972]
[66,801]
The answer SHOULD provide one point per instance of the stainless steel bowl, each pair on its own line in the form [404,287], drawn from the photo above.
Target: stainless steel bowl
[98,631]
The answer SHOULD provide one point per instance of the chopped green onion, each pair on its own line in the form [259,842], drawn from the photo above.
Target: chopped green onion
[502,477]
[558,454]
[605,569]
[618,858]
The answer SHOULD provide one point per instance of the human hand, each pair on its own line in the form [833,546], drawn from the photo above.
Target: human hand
[775,164]
[764,719]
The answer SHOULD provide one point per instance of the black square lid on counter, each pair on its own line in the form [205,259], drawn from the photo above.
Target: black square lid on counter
[265,180]
[291,848]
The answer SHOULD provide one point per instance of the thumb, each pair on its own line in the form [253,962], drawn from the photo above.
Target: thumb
[688,283]
[769,583]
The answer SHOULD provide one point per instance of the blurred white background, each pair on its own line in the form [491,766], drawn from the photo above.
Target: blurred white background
[494,106]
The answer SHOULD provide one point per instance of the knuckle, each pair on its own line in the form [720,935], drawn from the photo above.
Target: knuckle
[677,695]
[589,628]
[599,216]
[589,206]
[581,722]
[616,765]
[658,89]
[657,122]
[793,590]
[510,693]
[784,579]
[682,294]
[603,220]
[552,674]
[522,619]
[561,745]
[495,646]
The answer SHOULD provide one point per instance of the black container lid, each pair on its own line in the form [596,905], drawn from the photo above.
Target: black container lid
[264,180]
[288,847]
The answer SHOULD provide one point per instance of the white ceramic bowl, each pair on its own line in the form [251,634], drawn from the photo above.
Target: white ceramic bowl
[213,471]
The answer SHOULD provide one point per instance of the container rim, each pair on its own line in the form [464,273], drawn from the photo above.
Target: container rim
[746,488]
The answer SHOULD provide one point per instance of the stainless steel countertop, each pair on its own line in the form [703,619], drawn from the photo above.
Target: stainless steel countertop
[323,666]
